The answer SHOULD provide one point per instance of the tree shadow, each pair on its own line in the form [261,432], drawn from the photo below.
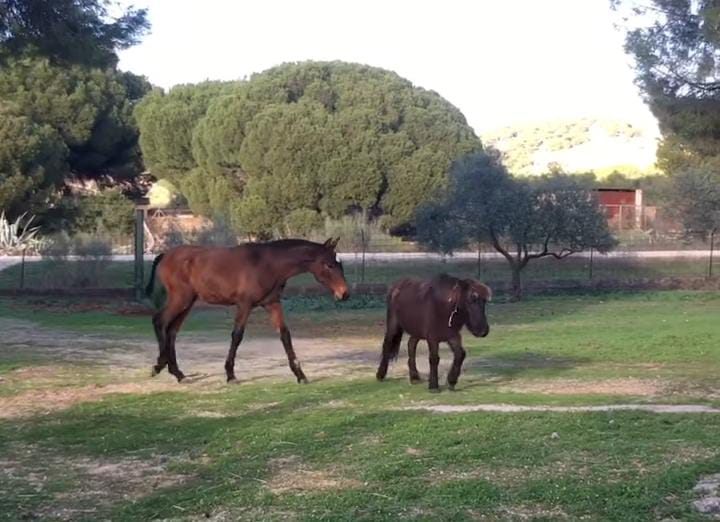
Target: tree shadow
[508,366]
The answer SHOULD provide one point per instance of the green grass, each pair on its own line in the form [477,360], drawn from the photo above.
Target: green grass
[118,274]
[236,447]
[385,464]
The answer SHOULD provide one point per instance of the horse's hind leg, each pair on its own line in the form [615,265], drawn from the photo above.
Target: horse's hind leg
[458,358]
[167,322]
[160,334]
[276,315]
[412,365]
[172,332]
[434,349]
[391,346]
[241,316]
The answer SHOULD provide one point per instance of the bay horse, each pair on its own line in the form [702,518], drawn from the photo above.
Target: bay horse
[434,310]
[245,276]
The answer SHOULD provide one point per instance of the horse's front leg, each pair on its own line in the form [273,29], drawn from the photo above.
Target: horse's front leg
[241,316]
[278,320]
[434,349]
[458,358]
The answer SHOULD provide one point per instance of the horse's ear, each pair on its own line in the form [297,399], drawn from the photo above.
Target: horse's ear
[331,242]
[455,295]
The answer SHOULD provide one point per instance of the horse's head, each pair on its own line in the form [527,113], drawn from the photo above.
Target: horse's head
[328,270]
[471,297]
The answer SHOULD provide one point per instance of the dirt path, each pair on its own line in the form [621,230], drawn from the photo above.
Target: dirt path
[203,355]
[511,408]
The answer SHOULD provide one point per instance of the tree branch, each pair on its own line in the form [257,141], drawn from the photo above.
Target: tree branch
[496,244]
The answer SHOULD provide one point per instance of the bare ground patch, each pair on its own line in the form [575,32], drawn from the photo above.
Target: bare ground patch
[44,401]
[636,387]
[81,486]
[291,475]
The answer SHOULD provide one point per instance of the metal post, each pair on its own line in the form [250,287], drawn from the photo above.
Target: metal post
[479,262]
[712,247]
[591,264]
[139,251]
[362,266]
[22,270]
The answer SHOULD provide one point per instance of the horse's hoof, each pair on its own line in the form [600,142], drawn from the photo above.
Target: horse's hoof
[302,380]
[154,371]
[233,380]
[434,390]
[180,378]
[451,387]
[380,376]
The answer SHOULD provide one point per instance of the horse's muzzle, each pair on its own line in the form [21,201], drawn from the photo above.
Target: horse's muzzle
[343,297]
[481,333]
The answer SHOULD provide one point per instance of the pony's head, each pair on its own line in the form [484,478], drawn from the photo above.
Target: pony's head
[471,296]
[328,270]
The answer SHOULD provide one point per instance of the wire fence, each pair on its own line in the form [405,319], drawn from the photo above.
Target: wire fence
[653,247]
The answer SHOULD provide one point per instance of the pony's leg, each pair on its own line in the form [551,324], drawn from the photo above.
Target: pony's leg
[412,366]
[458,358]
[172,332]
[391,346]
[434,361]
[278,320]
[241,315]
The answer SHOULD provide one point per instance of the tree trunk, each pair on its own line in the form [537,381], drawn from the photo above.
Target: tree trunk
[516,282]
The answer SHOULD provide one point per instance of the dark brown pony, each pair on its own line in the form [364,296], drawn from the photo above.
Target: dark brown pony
[246,276]
[436,311]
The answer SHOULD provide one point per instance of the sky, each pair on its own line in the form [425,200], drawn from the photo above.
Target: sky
[501,62]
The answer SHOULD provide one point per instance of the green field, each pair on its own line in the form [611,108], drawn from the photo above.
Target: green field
[81,439]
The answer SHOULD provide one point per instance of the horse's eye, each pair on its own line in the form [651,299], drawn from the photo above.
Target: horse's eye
[329,266]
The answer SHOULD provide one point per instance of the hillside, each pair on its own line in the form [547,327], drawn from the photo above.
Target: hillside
[582,145]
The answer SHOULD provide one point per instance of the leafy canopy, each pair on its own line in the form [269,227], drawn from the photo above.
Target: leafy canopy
[61,122]
[676,47]
[68,31]
[303,141]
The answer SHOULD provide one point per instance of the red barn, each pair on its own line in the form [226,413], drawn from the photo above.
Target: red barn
[623,207]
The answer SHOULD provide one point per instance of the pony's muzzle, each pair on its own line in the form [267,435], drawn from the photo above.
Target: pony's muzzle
[342,296]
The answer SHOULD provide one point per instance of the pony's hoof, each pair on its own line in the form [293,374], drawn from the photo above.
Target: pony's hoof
[180,378]
[415,380]
[451,387]
[434,390]
[233,380]
[155,371]
[302,380]
[380,376]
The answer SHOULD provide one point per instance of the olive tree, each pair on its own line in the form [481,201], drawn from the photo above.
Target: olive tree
[523,219]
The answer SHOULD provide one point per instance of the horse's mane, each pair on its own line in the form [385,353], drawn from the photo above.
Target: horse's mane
[285,243]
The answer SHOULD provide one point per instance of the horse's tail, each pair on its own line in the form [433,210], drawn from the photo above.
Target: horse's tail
[393,331]
[151,283]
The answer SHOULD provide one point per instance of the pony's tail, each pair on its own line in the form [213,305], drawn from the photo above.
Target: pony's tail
[391,344]
[393,334]
[151,283]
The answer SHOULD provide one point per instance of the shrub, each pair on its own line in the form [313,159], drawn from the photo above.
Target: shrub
[18,236]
